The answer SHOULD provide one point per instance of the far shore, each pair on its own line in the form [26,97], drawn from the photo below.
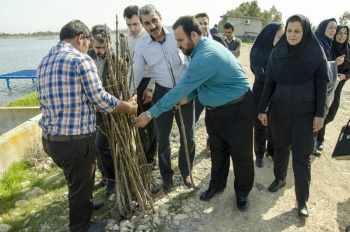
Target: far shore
[42,37]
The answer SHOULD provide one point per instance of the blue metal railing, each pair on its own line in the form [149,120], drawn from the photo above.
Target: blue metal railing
[23,74]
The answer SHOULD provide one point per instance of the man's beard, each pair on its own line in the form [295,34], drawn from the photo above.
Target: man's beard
[189,49]
[101,56]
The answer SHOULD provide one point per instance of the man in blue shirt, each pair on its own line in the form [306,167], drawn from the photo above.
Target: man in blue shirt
[214,30]
[215,75]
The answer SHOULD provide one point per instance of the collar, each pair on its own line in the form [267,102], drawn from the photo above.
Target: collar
[140,34]
[166,33]
[198,46]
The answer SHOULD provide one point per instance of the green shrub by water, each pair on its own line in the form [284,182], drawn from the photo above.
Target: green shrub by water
[31,99]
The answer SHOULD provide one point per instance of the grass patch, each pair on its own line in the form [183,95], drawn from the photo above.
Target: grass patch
[31,99]
[47,212]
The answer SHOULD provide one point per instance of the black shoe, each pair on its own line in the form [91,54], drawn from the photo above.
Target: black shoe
[259,162]
[319,145]
[110,188]
[98,226]
[242,203]
[276,185]
[209,194]
[101,184]
[317,153]
[302,210]
[97,204]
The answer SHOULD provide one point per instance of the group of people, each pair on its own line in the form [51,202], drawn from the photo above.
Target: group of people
[296,80]
[187,65]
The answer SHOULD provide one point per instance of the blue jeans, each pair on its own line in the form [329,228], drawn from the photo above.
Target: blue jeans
[164,124]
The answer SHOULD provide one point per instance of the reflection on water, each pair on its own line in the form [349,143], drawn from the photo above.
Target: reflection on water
[20,54]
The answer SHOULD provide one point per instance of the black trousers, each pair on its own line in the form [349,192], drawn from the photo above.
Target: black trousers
[148,133]
[260,131]
[230,132]
[77,159]
[104,156]
[301,169]
[333,109]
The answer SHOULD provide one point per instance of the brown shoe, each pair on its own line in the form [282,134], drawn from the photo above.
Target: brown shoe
[187,181]
[208,150]
[168,184]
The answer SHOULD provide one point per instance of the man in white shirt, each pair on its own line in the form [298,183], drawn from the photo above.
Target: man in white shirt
[156,50]
[144,98]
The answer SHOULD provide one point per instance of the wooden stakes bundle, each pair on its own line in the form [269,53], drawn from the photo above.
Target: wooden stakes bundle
[132,174]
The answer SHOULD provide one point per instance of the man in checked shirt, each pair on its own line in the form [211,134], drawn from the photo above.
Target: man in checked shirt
[69,90]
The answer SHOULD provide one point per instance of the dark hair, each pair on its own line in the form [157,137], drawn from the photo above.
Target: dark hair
[131,11]
[147,9]
[99,33]
[189,24]
[202,15]
[73,29]
[229,25]
[215,25]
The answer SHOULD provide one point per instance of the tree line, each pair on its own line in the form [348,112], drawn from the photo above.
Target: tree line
[252,9]
[39,33]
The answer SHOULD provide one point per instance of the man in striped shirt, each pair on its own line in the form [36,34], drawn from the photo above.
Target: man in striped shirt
[69,91]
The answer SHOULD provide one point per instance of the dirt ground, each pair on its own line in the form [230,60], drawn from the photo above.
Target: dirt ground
[329,202]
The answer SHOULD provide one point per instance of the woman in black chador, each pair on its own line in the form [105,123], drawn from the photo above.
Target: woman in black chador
[296,83]
[259,55]
[340,47]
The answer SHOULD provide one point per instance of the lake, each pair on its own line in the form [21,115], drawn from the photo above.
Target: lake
[20,54]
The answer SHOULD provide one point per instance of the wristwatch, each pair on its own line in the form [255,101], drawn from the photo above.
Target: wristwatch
[149,115]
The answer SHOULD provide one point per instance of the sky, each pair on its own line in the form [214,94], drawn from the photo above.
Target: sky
[23,16]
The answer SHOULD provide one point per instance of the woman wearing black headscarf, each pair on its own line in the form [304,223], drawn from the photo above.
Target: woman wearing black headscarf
[296,84]
[340,47]
[259,56]
[325,35]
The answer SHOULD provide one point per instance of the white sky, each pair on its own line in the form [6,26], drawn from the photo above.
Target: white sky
[22,16]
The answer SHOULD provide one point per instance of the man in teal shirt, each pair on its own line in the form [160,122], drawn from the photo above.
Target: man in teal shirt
[215,75]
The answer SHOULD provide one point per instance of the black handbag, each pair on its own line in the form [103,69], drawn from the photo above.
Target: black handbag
[342,148]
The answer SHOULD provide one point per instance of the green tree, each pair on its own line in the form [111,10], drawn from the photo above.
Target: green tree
[272,15]
[343,20]
[252,9]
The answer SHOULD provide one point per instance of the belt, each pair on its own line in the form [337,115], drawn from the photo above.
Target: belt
[63,138]
[163,88]
[230,103]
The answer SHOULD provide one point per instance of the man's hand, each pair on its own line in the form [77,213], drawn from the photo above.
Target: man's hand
[318,123]
[341,76]
[182,102]
[147,96]
[132,105]
[340,59]
[141,121]
[128,107]
[263,119]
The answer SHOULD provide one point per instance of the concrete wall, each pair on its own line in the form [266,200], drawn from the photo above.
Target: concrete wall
[10,117]
[18,142]
[243,30]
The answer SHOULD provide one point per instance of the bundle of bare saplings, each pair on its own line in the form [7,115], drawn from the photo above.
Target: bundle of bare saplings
[132,174]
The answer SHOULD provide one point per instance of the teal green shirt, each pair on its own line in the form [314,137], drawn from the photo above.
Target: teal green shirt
[213,73]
